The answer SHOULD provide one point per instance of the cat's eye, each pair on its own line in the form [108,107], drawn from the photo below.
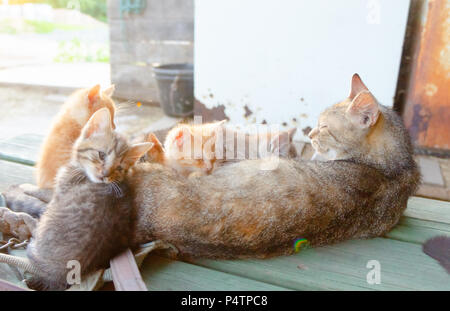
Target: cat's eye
[101,155]
[323,127]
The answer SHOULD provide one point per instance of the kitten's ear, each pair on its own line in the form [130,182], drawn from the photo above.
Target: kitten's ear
[151,138]
[281,143]
[136,152]
[156,153]
[98,124]
[357,86]
[109,91]
[364,110]
[93,95]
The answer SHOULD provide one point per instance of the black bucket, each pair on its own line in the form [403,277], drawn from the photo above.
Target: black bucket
[175,88]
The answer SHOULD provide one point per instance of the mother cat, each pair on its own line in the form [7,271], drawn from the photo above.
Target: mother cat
[243,211]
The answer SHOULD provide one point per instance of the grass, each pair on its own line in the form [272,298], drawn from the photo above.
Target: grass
[48,27]
[73,51]
[10,26]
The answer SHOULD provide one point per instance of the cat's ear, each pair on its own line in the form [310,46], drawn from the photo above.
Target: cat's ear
[108,92]
[281,143]
[363,110]
[93,95]
[157,152]
[357,86]
[151,138]
[136,151]
[98,124]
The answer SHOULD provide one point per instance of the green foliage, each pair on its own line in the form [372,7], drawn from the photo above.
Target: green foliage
[13,27]
[74,51]
[7,27]
[94,8]
[47,27]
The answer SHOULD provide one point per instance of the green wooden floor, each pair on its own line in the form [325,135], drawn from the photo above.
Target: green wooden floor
[339,267]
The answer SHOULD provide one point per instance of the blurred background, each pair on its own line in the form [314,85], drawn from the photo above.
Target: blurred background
[248,61]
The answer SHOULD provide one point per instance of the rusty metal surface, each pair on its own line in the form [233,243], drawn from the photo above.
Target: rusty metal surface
[427,109]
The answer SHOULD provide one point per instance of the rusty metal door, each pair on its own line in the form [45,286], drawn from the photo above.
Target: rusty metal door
[427,108]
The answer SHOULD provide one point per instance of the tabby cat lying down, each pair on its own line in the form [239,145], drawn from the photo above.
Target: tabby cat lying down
[242,210]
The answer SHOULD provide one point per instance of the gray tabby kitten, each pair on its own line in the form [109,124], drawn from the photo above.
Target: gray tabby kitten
[89,217]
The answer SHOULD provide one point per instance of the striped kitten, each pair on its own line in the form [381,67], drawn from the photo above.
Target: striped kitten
[89,216]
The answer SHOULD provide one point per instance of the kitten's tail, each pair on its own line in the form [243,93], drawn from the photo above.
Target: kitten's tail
[19,262]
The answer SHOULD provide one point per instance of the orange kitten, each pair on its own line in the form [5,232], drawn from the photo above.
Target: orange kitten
[191,148]
[66,128]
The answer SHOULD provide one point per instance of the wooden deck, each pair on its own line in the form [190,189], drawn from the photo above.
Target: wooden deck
[339,267]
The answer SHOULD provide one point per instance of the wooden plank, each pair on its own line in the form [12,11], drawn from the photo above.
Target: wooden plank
[22,149]
[125,273]
[417,231]
[7,286]
[343,267]
[427,209]
[14,173]
[165,274]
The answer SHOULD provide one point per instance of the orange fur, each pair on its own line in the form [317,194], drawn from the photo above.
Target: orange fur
[66,128]
[192,158]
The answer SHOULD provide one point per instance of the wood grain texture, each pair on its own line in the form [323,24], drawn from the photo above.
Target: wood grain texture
[14,173]
[428,209]
[417,231]
[343,267]
[125,273]
[161,273]
[22,149]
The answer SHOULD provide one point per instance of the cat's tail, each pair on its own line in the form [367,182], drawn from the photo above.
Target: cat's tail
[19,262]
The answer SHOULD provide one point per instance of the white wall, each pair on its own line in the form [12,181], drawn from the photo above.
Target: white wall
[287,59]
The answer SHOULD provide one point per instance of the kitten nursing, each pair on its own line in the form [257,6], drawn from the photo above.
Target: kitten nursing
[241,210]
[89,217]
[191,149]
